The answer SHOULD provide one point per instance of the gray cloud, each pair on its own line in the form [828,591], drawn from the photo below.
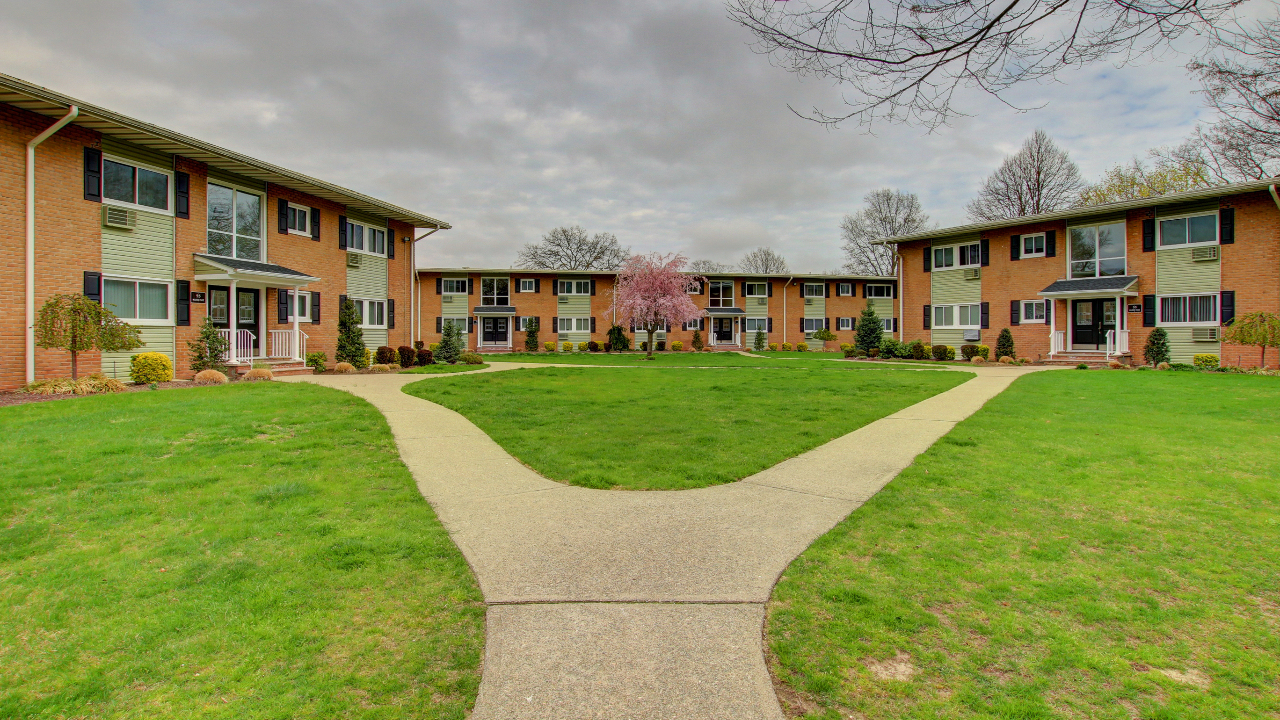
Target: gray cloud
[650,119]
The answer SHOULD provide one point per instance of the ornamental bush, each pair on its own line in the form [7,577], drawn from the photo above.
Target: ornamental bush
[350,336]
[1004,344]
[385,355]
[208,350]
[210,377]
[380,368]
[566,347]
[760,340]
[802,347]
[919,351]
[890,348]
[773,347]
[450,344]
[618,339]
[593,346]
[407,356]
[1156,351]
[643,346]
[470,358]
[660,345]
[824,335]
[844,347]
[985,352]
[677,346]
[968,351]
[786,347]
[150,367]
[869,329]
[433,347]
[1205,361]
[425,357]
[849,350]
[696,342]
[316,360]
[582,347]
[550,346]
[531,335]
[939,352]
[608,347]
[344,368]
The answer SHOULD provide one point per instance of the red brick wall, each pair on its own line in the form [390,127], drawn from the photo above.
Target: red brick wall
[915,293]
[1251,267]
[1006,280]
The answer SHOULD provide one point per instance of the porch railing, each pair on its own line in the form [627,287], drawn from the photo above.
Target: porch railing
[1059,342]
[239,345]
[1117,342]
[282,344]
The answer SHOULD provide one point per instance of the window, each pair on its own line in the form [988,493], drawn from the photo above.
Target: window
[374,313]
[886,324]
[366,238]
[1194,230]
[524,323]
[814,290]
[495,291]
[298,220]
[814,324]
[957,316]
[844,323]
[1032,246]
[757,289]
[575,287]
[219,306]
[754,324]
[879,291]
[458,322]
[721,294]
[1189,310]
[1033,311]
[1097,250]
[454,286]
[945,257]
[128,184]
[526,285]
[299,302]
[235,223]
[142,303]
[568,324]
[844,289]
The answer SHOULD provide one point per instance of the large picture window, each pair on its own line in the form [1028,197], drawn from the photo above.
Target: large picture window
[235,223]
[1191,230]
[124,183]
[957,316]
[1097,250]
[495,291]
[879,291]
[1189,310]
[138,301]
[721,294]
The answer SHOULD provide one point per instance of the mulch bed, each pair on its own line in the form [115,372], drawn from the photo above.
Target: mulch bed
[18,398]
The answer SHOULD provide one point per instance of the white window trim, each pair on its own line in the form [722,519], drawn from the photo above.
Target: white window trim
[574,320]
[821,290]
[495,278]
[171,321]
[134,206]
[262,220]
[522,281]
[1217,231]
[1217,308]
[956,314]
[888,291]
[763,320]
[523,324]
[764,290]
[462,319]
[844,323]
[307,213]
[821,322]
[293,304]
[443,291]
[957,247]
[1022,250]
[365,314]
[841,287]
[1097,261]
[886,324]
[572,287]
[367,227]
[1022,312]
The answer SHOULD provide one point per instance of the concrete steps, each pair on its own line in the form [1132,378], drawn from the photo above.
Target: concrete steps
[1092,359]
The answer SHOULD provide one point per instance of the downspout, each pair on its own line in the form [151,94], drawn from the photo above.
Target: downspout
[902,294]
[1275,197]
[415,292]
[785,318]
[72,113]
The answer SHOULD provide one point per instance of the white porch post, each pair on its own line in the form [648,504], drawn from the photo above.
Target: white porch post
[297,331]
[233,320]
[263,333]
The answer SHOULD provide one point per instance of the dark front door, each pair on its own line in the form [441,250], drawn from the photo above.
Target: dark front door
[247,315]
[1090,321]
[724,330]
[494,330]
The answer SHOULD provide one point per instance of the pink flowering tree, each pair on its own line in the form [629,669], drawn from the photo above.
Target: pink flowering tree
[652,290]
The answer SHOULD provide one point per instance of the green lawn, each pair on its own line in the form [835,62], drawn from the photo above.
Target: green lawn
[673,359]
[254,550]
[436,369]
[669,428]
[1089,545]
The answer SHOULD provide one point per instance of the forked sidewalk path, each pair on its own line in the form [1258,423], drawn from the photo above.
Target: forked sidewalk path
[648,605]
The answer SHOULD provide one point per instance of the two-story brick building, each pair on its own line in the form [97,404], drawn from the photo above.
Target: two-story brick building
[494,306]
[1089,283]
[165,230]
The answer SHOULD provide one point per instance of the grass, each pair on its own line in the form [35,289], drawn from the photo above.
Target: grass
[670,429]
[1089,545]
[669,359]
[436,369]
[246,551]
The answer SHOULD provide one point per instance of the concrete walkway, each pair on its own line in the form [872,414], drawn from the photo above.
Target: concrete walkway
[612,604]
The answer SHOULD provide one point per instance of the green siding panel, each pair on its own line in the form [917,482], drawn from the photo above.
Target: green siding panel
[375,338]
[950,287]
[1182,347]
[370,279]
[154,339]
[145,251]
[954,338]
[757,309]
[573,306]
[136,153]
[1176,272]
[883,306]
[815,309]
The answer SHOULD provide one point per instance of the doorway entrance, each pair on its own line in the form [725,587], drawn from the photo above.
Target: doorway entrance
[723,328]
[1090,322]
[493,330]
[247,315]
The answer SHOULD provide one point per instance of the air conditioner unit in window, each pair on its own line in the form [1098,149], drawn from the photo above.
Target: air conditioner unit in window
[972,273]
[1204,334]
[353,260]
[808,301]
[972,335]
[762,301]
[563,299]
[1204,254]
[446,299]
[118,217]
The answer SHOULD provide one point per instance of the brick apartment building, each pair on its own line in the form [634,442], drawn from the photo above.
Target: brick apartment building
[494,306]
[1090,283]
[165,230]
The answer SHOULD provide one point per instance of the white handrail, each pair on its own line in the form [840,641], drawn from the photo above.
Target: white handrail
[1111,343]
[1122,342]
[1059,342]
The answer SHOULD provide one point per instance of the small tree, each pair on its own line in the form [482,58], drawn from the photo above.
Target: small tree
[450,343]
[696,343]
[531,336]
[652,291]
[1004,345]
[761,341]
[618,339]
[77,324]
[869,331]
[350,336]
[1156,350]
[209,348]
[1260,329]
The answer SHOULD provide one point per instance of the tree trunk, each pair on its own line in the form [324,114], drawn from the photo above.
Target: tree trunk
[75,374]
[650,344]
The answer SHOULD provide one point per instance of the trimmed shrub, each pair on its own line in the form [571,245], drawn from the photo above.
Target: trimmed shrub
[802,347]
[566,347]
[257,374]
[425,357]
[150,367]
[889,348]
[316,360]
[407,356]
[660,345]
[1163,365]
[968,351]
[849,351]
[210,377]
[380,368]
[643,346]
[1115,364]
[869,331]
[1024,361]
[824,335]
[608,347]
[919,351]
[773,347]
[696,342]
[977,360]
[207,351]
[451,345]
[385,355]
[418,345]
[951,353]
[582,347]
[1156,351]
[1182,367]
[1082,366]
[985,352]
[760,341]
[786,347]
[94,384]
[433,347]
[1205,361]
[618,339]
[344,367]
[873,352]
[677,346]
[396,367]
[1004,344]
[939,352]
[549,345]
[531,336]
[350,336]
[844,346]
[1006,360]
[470,358]
[1143,367]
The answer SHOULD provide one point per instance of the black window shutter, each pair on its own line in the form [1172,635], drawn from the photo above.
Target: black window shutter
[1148,310]
[593,287]
[93,174]
[928,317]
[471,286]
[770,289]
[801,324]
[826,323]
[1149,236]
[282,213]
[744,288]
[895,325]
[986,315]
[702,288]
[1050,243]
[1015,247]
[439,324]
[342,232]
[282,305]
[391,314]
[391,244]
[93,285]
[770,325]
[315,224]
[182,195]
[439,286]
[471,324]
[984,250]
[1227,226]
[853,323]
[315,308]
[826,290]
[593,324]
[1227,307]
[182,302]
[515,322]
[1015,312]
[537,285]
[555,287]
[928,258]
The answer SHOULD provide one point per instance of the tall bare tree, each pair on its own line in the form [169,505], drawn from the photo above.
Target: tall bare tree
[569,248]
[903,60]
[887,213]
[708,266]
[763,260]
[1038,178]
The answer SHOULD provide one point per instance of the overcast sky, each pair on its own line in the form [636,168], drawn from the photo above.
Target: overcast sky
[649,119]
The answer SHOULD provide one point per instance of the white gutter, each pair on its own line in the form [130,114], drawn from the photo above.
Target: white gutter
[902,294]
[72,113]
[1274,196]
[415,292]
[785,321]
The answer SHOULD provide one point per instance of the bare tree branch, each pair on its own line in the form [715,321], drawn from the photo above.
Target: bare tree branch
[764,261]
[708,266]
[1039,178]
[888,213]
[569,248]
